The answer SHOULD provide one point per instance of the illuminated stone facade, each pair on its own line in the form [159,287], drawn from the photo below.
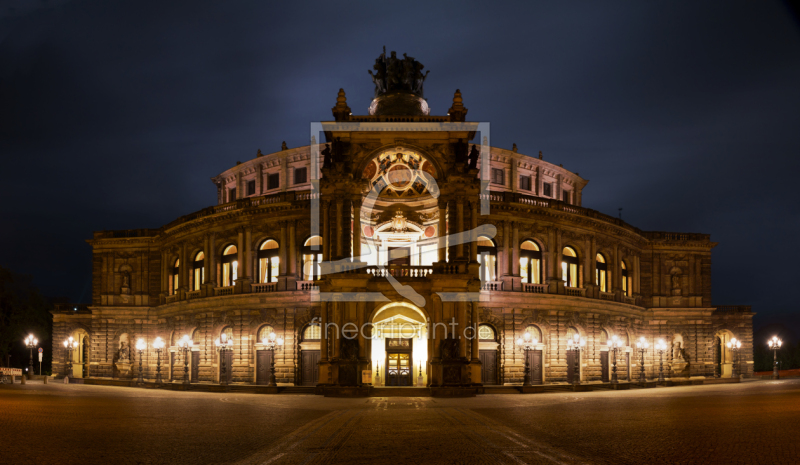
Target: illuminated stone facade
[398,221]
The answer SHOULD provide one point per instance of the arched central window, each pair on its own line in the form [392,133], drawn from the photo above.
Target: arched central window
[264,332]
[530,263]
[534,332]
[569,267]
[487,257]
[312,257]
[602,339]
[486,333]
[601,274]
[176,270]
[198,271]
[228,332]
[268,262]
[230,266]
[625,286]
[311,333]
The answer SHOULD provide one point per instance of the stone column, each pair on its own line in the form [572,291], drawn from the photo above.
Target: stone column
[617,273]
[357,229]
[460,227]
[183,271]
[282,255]
[476,338]
[442,253]
[326,237]
[292,248]
[164,276]
[323,342]
[248,253]
[474,235]
[515,250]
[507,258]
[259,179]
[212,261]
[461,306]
[339,229]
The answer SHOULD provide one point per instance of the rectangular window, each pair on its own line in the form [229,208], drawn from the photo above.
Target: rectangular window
[547,189]
[251,187]
[273,181]
[525,183]
[565,196]
[498,176]
[300,175]
[232,195]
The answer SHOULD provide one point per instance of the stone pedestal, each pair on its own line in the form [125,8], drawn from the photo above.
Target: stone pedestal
[124,369]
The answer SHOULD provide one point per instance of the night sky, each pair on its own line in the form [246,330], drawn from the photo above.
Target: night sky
[114,115]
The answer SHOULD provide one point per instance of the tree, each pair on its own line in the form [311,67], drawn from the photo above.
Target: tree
[23,310]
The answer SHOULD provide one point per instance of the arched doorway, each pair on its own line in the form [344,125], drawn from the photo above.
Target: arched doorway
[488,351]
[309,355]
[399,346]
[82,355]
[724,356]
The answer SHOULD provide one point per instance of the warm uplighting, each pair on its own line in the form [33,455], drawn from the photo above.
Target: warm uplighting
[775,344]
[661,347]
[158,343]
[577,343]
[185,346]
[734,345]
[525,343]
[141,345]
[614,344]
[642,345]
[272,342]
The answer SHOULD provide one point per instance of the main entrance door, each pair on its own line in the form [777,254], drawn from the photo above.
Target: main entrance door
[399,367]
[195,366]
[571,372]
[604,376]
[488,366]
[309,368]
[535,365]
[263,364]
[228,366]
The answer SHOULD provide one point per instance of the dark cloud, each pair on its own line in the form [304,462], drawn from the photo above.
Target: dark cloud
[114,115]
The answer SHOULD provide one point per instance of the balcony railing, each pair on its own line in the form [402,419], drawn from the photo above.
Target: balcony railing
[534,288]
[264,287]
[575,291]
[172,298]
[400,271]
[226,290]
[307,286]
[606,295]
[192,294]
[492,286]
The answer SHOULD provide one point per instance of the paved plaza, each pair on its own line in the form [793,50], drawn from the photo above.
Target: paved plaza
[752,422]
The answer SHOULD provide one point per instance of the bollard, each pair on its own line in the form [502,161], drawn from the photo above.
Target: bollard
[22,378]
[66,380]
[45,379]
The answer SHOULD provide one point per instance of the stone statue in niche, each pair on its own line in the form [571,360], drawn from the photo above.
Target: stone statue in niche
[124,352]
[473,157]
[326,156]
[676,281]
[126,283]
[678,352]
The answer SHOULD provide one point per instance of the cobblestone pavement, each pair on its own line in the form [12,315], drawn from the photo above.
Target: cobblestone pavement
[754,422]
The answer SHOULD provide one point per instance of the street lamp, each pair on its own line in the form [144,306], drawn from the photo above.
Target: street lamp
[272,342]
[576,344]
[642,345]
[661,347]
[526,343]
[140,346]
[613,346]
[70,344]
[185,346]
[223,344]
[775,344]
[734,345]
[158,345]
[30,343]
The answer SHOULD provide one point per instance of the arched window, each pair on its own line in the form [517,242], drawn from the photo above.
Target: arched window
[196,336]
[486,333]
[176,269]
[571,332]
[198,271]
[264,332]
[311,333]
[268,261]
[535,332]
[601,273]
[625,284]
[230,265]
[228,332]
[530,263]
[312,257]
[569,267]
[487,257]
[602,339]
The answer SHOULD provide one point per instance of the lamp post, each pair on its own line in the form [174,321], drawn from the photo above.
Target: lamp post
[185,346]
[158,345]
[661,347]
[734,345]
[30,343]
[70,344]
[775,344]
[642,345]
[576,344]
[140,346]
[613,346]
[526,343]
[223,344]
[271,343]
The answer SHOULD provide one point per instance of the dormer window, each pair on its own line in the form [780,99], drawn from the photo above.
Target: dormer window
[547,189]
[251,187]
